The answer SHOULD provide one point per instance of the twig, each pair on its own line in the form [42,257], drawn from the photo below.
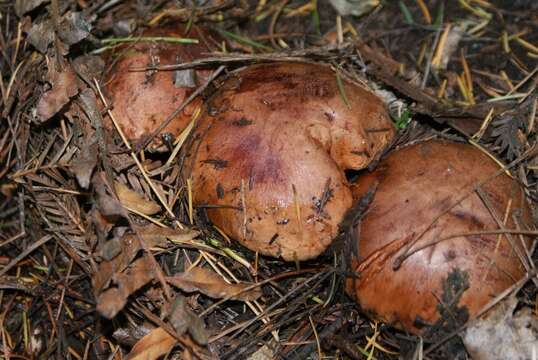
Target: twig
[25,253]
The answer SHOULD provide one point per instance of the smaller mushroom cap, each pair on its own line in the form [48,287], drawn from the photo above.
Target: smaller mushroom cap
[142,100]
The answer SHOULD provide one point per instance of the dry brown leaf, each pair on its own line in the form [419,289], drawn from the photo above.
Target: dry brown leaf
[74,27]
[111,301]
[152,235]
[156,236]
[107,269]
[213,285]
[155,344]
[183,319]
[108,205]
[135,201]
[64,87]
[24,6]
[85,162]
[41,35]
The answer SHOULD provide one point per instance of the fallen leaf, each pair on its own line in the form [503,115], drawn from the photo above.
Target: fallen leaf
[89,67]
[84,163]
[111,301]
[213,285]
[73,28]
[354,7]
[152,235]
[64,87]
[133,200]
[184,320]
[502,334]
[41,35]
[155,344]
[155,235]
[130,333]
[24,6]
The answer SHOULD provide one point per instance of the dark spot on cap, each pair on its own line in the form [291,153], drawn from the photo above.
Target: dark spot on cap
[450,255]
[220,191]
[273,238]
[242,122]
[217,163]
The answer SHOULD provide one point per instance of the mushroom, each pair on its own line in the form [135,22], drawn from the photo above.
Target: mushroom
[441,208]
[142,100]
[270,153]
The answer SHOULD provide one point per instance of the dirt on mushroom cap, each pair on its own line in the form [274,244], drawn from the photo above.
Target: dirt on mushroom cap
[272,152]
[418,191]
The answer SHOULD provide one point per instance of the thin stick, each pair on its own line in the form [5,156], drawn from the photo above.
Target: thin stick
[320,356]
[25,253]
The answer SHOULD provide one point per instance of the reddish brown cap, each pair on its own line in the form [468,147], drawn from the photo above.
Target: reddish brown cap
[272,153]
[142,100]
[418,191]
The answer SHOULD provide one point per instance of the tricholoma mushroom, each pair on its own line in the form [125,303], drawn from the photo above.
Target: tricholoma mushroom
[142,100]
[424,256]
[270,155]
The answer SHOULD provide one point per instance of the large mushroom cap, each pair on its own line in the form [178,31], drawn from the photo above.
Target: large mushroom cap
[418,191]
[142,100]
[272,151]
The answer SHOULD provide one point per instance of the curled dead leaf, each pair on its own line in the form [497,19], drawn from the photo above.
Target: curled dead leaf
[503,333]
[155,344]
[64,87]
[23,6]
[213,285]
[111,301]
[183,319]
[133,200]
[152,235]
[41,35]
[157,236]
[85,163]
[74,27]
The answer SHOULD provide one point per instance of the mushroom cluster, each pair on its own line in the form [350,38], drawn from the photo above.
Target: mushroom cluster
[267,162]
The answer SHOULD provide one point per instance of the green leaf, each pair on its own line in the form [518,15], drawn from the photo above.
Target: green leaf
[406,13]
[315,18]
[440,15]
[341,89]
[403,120]
[244,40]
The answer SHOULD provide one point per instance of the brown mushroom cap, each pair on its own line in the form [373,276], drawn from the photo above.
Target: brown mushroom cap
[272,152]
[142,100]
[417,184]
